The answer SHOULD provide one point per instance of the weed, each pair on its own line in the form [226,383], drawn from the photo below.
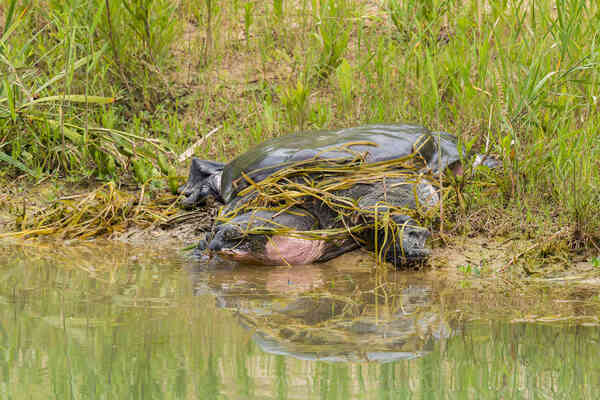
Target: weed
[469,270]
[295,100]
[345,80]
[248,18]
[332,35]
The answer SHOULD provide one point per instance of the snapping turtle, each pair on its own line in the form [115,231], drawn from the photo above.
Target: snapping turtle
[311,196]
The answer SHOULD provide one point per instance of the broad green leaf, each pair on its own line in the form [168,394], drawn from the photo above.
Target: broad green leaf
[69,133]
[16,163]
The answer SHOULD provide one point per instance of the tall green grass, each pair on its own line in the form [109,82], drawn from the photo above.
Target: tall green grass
[520,78]
[74,92]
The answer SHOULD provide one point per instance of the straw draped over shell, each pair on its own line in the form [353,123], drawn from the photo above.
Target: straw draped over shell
[362,176]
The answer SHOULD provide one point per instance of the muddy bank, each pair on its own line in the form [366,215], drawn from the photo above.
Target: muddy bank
[67,212]
[476,262]
[156,220]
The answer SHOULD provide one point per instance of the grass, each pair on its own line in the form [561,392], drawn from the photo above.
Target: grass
[103,211]
[117,89]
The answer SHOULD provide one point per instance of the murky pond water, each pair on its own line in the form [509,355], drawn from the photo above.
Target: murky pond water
[114,322]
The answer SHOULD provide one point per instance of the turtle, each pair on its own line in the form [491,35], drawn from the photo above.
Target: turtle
[391,170]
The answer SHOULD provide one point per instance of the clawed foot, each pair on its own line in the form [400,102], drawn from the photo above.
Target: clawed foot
[226,237]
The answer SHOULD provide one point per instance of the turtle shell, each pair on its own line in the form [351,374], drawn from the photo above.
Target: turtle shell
[375,142]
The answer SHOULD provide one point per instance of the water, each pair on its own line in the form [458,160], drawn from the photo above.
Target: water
[113,322]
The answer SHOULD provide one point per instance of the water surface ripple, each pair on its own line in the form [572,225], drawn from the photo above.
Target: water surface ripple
[107,321]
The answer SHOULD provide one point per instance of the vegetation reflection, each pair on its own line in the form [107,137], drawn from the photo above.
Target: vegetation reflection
[111,322]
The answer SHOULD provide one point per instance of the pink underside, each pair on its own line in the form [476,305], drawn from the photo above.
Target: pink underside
[293,250]
[281,250]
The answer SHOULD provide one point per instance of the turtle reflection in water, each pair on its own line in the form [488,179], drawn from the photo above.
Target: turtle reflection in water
[299,313]
[309,197]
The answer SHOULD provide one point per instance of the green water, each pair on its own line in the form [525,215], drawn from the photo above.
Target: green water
[111,322]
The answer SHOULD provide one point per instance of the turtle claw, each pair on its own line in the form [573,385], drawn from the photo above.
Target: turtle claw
[226,237]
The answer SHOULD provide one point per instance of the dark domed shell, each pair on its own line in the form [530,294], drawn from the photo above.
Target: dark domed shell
[377,142]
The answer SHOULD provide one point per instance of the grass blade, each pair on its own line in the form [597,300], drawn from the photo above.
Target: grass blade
[17,164]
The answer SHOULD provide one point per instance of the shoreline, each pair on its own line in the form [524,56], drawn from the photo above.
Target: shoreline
[470,254]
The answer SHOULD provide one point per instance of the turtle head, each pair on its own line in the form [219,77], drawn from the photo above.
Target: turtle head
[204,181]
[407,246]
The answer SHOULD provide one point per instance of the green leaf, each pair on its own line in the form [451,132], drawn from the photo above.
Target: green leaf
[9,15]
[74,98]
[541,83]
[76,65]
[69,133]
[433,78]
[16,163]
[10,26]
[163,164]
